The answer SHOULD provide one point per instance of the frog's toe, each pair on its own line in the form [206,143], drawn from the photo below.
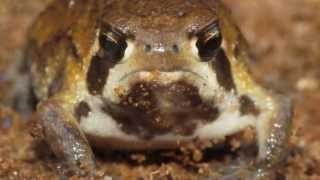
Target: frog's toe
[66,170]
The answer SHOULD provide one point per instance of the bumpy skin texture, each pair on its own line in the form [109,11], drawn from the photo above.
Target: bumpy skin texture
[63,44]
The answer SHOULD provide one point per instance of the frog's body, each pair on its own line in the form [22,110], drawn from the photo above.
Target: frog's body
[147,75]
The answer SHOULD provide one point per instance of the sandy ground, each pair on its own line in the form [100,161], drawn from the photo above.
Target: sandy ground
[284,37]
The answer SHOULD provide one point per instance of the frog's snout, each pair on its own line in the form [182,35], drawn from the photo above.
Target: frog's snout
[163,84]
[175,96]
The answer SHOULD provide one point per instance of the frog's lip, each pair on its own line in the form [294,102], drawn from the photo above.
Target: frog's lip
[156,71]
[121,86]
[160,77]
[125,83]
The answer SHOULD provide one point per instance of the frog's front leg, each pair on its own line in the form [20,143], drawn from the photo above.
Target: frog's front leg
[273,132]
[273,135]
[66,140]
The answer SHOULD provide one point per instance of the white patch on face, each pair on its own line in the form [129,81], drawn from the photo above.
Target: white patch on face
[99,123]
[129,50]
[194,48]
[227,124]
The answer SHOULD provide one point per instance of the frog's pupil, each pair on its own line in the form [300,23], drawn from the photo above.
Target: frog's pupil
[112,48]
[208,43]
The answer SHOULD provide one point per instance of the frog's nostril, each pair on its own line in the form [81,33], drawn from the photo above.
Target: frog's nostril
[147,48]
[175,48]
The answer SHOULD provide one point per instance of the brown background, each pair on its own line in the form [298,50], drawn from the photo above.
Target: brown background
[284,37]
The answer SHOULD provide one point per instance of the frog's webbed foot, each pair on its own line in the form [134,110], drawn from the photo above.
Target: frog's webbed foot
[272,137]
[63,135]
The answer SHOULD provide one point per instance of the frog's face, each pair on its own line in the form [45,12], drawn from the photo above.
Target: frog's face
[164,68]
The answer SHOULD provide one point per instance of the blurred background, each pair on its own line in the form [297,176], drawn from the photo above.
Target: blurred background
[284,37]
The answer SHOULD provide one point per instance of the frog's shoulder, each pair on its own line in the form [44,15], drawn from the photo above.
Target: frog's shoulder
[64,31]
[75,20]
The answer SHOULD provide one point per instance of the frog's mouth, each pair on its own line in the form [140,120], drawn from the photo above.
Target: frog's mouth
[153,107]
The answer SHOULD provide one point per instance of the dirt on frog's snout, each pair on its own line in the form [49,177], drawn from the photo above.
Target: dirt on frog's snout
[284,37]
[151,108]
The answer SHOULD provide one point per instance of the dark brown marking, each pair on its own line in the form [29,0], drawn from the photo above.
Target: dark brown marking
[82,110]
[112,48]
[222,68]
[97,75]
[248,107]
[153,109]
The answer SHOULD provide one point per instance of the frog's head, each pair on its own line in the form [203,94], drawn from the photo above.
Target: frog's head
[163,62]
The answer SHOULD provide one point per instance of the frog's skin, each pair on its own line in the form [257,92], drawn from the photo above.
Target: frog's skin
[139,74]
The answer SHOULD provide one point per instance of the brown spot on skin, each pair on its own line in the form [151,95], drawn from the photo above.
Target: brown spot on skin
[82,110]
[247,106]
[153,109]
[222,68]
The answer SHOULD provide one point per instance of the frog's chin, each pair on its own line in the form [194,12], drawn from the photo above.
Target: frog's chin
[121,126]
[152,114]
[152,109]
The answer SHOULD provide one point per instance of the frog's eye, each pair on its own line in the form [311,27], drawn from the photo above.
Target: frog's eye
[112,46]
[209,41]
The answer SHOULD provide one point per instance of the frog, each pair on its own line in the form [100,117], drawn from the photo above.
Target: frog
[148,75]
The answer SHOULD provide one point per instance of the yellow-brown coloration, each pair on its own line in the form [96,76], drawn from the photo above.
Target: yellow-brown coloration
[183,95]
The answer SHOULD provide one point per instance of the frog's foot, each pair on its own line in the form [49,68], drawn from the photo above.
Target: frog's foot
[272,135]
[66,170]
[65,138]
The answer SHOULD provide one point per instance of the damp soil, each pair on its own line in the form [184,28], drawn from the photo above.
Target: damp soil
[284,39]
